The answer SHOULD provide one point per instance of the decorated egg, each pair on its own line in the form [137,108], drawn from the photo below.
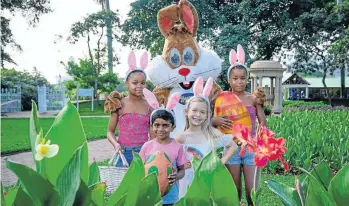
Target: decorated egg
[228,104]
[160,163]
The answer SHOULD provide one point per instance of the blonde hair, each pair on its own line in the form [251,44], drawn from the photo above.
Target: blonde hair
[209,131]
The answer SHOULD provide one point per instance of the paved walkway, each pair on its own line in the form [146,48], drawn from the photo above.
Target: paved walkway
[98,150]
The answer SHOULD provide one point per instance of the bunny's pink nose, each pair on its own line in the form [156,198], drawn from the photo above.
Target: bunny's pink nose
[184,72]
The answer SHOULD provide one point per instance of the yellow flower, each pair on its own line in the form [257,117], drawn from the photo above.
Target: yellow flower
[44,149]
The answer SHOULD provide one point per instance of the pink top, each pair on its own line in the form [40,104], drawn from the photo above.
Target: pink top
[174,150]
[133,129]
[253,113]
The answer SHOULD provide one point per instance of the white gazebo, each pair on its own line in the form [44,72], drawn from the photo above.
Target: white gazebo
[272,70]
[294,82]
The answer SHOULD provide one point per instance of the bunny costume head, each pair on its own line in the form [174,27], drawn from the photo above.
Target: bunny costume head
[182,60]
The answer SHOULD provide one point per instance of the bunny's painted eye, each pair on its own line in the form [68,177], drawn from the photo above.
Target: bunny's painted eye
[188,56]
[175,57]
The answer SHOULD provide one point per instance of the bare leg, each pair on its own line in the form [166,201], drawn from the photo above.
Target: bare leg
[235,171]
[249,172]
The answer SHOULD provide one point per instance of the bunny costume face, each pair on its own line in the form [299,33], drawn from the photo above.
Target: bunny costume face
[182,60]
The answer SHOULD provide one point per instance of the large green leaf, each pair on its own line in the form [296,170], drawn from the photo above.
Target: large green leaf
[40,190]
[288,195]
[180,202]
[10,196]
[198,192]
[68,134]
[196,162]
[97,194]
[121,201]
[22,198]
[83,195]
[133,176]
[317,195]
[339,186]
[148,192]
[2,196]
[68,181]
[93,176]
[224,191]
[323,174]
[34,130]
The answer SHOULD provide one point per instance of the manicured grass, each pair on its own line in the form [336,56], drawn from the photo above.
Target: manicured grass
[85,108]
[15,132]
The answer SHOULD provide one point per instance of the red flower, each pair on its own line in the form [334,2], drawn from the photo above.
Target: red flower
[264,145]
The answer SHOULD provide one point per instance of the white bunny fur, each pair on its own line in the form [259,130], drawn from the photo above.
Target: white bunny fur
[163,76]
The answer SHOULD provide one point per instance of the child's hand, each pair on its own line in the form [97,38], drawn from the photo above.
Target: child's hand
[118,148]
[222,122]
[187,165]
[172,178]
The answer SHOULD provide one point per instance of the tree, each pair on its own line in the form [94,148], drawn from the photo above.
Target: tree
[87,77]
[31,10]
[94,25]
[28,82]
[106,6]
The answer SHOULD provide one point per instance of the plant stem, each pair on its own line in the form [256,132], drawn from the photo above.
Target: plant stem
[256,181]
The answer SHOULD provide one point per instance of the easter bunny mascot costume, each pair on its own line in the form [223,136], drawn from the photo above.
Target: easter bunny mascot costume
[182,60]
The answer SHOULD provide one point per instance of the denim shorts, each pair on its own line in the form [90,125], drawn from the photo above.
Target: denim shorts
[128,154]
[246,159]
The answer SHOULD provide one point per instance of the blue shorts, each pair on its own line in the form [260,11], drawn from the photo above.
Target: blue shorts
[246,159]
[128,154]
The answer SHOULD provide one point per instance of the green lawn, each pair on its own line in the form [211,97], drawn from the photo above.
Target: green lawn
[85,108]
[15,132]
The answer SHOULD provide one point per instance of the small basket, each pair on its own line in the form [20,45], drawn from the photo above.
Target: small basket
[112,175]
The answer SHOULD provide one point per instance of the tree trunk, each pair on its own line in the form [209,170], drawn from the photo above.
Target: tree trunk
[327,92]
[109,41]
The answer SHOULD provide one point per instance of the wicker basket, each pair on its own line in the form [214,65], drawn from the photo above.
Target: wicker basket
[112,175]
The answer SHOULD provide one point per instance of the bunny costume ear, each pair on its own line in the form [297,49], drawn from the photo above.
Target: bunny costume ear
[198,86]
[132,63]
[208,88]
[237,59]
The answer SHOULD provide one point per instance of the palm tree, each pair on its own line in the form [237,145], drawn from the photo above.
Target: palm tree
[106,6]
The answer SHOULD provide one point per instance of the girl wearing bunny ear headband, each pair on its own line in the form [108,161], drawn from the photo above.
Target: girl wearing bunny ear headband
[239,106]
[130,114]
[199,137]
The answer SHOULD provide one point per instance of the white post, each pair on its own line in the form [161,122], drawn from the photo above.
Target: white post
[307,92]
[254,83]
[261,82]
[280,94]
[277,93]
[77,97]
[92,98]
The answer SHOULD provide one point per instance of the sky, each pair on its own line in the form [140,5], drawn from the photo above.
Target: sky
[38,45]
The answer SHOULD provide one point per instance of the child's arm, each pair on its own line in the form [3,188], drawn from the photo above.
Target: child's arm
[112,105]
[172,178]
[260,112]
[113,122]
[232,147]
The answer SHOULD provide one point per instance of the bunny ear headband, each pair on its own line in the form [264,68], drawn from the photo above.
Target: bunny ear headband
[153,102]
[201,91]
[133,65]
[236,59]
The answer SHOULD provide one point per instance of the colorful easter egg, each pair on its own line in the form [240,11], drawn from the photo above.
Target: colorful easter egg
[160,163]
[229,105]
